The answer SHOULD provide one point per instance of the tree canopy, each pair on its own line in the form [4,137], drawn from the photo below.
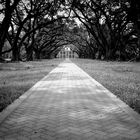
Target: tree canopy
[101,29]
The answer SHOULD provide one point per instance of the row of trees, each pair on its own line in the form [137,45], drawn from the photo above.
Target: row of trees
[103,29]
[29,26]
[113,27]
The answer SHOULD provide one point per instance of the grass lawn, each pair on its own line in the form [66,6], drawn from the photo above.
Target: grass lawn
[121,78]
[17,78]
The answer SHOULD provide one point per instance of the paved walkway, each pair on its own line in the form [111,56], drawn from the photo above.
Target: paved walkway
[69,105]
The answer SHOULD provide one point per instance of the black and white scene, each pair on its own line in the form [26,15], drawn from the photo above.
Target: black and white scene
[69,69]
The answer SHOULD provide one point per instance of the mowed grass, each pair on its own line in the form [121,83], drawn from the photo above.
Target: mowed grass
[17,78]
[121,78]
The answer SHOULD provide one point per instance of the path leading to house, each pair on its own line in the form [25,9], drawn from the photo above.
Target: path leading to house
[69,105]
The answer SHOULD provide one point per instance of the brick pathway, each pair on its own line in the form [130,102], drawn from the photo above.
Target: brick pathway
[69,105]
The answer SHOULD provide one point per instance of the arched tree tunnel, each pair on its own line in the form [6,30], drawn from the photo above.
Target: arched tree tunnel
[101,29]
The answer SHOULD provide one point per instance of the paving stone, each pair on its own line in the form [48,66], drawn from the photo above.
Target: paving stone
[68,104]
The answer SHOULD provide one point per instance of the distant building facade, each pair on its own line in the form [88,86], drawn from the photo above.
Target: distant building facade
[67,52]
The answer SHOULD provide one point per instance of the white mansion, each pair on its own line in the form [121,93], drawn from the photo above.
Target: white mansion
[67,52]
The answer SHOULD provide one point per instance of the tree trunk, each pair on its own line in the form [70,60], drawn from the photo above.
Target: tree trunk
[37,54]
[3,31]
[16,54]
[99,55]
[29,53]
[6,22]
[29,50]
